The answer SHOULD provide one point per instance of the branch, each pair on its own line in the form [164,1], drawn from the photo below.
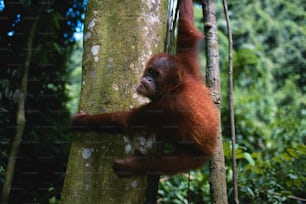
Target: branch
[231,101]
[20,121]
[289,196]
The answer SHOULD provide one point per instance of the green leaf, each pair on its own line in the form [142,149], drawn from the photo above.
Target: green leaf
[249,158]
[293,152]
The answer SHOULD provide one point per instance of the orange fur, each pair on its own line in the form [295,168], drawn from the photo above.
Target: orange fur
[181,111]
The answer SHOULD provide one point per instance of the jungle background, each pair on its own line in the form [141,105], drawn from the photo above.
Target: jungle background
[269,95]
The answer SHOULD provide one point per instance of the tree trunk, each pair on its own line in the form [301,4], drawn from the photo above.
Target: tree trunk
[119,37]
[217,166]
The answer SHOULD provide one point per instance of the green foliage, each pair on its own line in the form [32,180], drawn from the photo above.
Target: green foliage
[175,189]
[43,152]
[269,106]
[274,179]
[74,86]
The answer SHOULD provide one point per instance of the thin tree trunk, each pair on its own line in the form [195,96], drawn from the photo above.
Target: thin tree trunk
[217,165]
[231,101]
[21,120]
[119,38]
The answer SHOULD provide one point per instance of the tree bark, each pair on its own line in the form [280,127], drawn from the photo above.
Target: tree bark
[119,37]
[217,165]
[21,120]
